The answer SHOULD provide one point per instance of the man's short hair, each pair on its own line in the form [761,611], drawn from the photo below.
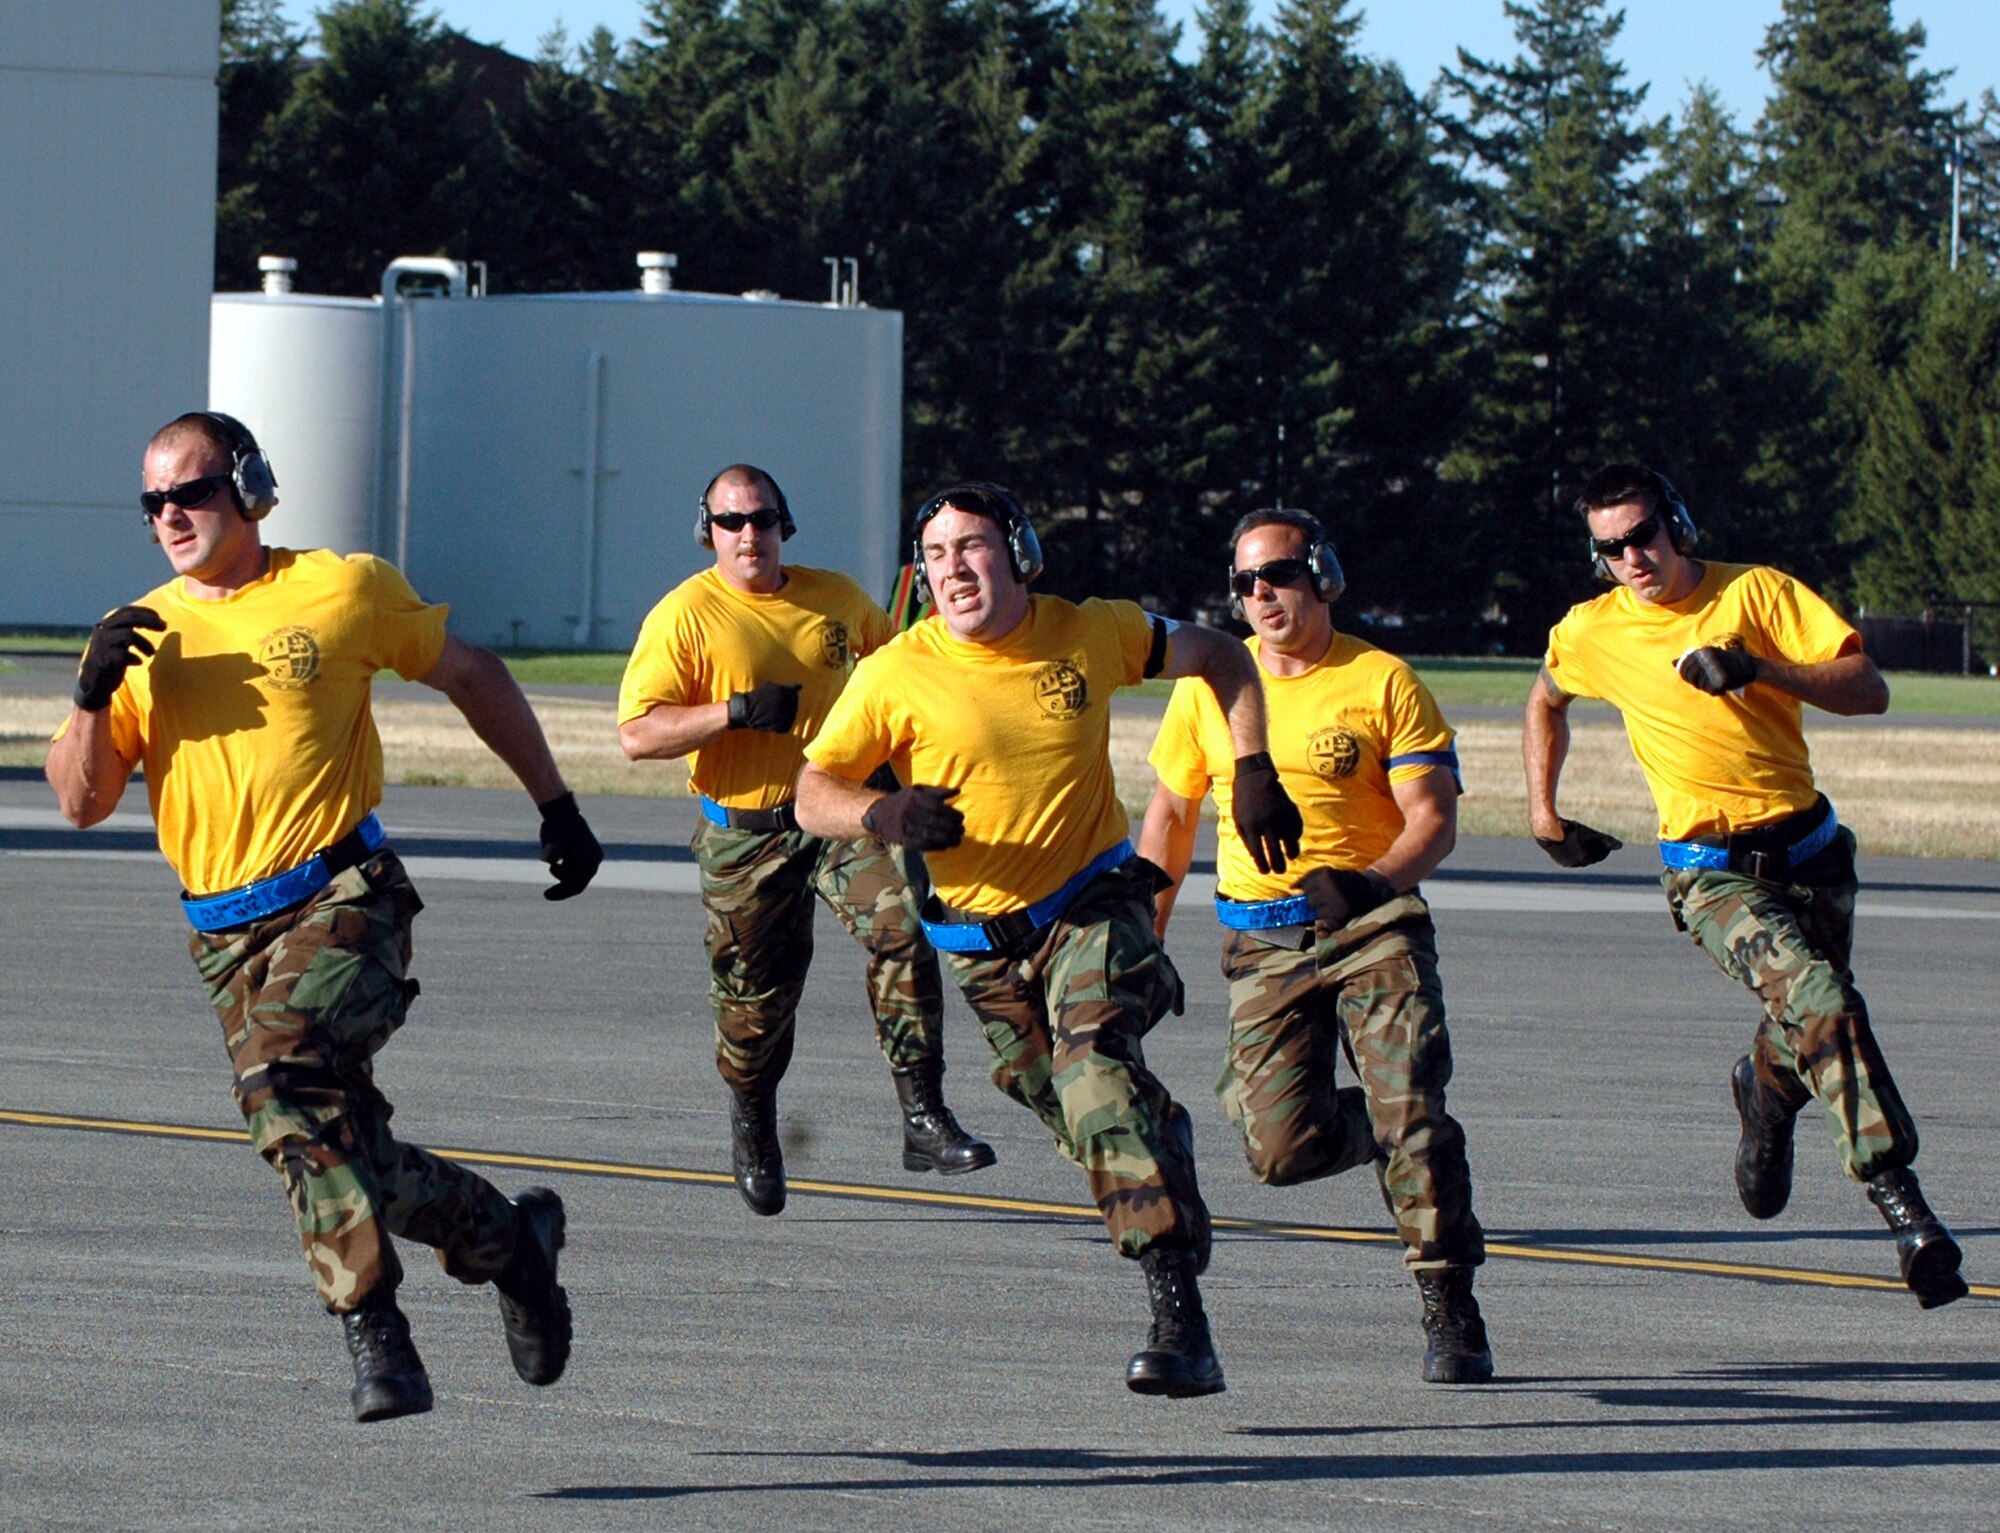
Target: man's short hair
[1303,522]
[1621,484]
[197,423]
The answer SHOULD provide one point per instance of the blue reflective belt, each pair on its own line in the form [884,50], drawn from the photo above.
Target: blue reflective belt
[1698,855]
[281,891]
[1002,931]
[1262,915]
[784,817]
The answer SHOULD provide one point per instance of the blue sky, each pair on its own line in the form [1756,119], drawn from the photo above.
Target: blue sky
[1669,44]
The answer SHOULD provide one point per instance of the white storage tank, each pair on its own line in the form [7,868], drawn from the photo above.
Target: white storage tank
[107,260]
[536,460]
[304,374]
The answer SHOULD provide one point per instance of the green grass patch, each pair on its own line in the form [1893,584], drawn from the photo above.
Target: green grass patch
[565,667]
[44,641]
[1922,692]
[1470,681]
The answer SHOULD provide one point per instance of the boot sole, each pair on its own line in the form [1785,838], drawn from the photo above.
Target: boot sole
[1934,1276]
[1460,1371]
[1176,1388]
[385,1402]
[1754,1208]
[979,1161]
[544,1375]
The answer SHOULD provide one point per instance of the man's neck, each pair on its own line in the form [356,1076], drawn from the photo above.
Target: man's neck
[220,587]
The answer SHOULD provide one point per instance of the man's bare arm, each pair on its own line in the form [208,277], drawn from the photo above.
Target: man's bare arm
[833,806]
[1225,663]
[482,688]
[1847,684]
[669,731]
[1544,748]
[1430,829]
[1166,840]
[85,769]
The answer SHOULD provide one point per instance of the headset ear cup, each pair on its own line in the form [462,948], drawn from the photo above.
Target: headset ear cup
[1329,580]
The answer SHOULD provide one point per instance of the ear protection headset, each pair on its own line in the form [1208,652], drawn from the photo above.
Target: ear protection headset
[249,469]
[1328,579]
[1671,510]
[702,532]
[997,505]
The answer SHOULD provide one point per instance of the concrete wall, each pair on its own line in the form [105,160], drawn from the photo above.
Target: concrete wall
[107,237]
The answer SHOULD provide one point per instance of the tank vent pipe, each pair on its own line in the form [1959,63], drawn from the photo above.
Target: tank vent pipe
[277,273]
[656,271]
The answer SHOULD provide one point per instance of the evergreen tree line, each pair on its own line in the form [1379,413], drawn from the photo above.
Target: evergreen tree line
[1152,293]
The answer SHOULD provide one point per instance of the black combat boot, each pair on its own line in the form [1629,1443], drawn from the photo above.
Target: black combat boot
[1455,1350]
[754,1155]
[389,1377]
[1764,1153]
[533,1305]
[1179,1359]
[932,1139]
[1924,1247]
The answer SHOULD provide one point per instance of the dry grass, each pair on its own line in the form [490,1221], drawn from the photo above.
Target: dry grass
[1906,792]
[426,743]
[1913,792]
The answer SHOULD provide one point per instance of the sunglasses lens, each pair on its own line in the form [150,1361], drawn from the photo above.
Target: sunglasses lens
[192,494]
[1279,572]
[763,519]
[1638,537]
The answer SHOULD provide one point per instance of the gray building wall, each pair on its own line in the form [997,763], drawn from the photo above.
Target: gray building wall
[107,241]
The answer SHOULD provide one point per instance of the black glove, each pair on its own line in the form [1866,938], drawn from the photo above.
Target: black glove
[770,706]
[1715,670]
[114,648]
[1338,895]
[569,848]
[1579,845]
[918,817]
[1266,818]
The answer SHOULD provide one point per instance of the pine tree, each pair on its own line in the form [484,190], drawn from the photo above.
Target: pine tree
[567,199]
[1365,265]
[1104,286]
[1558,320]
[1709,386]
[1851,148]
[260,64]
[372,156]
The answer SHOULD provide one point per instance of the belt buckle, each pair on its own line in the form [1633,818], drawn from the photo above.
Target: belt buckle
[1757,864]
[1007,932]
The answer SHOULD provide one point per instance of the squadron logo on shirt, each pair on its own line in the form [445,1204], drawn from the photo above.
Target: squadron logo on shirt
[290,657]
[1060,690]
[1334,752]
[833,647]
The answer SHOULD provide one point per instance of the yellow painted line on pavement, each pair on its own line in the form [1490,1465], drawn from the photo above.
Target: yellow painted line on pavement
[982,1203]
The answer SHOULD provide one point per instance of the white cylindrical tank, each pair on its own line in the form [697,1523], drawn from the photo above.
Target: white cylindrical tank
[304,373]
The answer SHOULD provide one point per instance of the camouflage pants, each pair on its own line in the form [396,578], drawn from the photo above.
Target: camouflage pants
[1791,943]
[1064,1022]
[758,889]
[1369,989]
[306,998]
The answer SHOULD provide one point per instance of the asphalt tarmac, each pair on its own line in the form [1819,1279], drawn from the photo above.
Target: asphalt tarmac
[901,1351]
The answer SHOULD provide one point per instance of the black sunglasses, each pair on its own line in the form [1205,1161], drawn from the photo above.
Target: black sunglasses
[1279,572]
[1638,537]
[195,492]
[764,518]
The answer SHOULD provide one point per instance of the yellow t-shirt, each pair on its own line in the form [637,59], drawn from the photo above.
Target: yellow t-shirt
[1715,764]
[1341,733]
[252,718]
[1021,728]
[706,641]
